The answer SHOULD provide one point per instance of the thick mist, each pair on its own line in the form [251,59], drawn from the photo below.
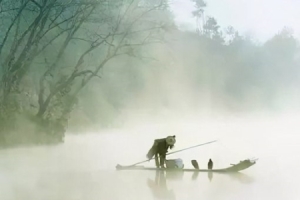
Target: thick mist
[197,76]
[87,84]
[84,166]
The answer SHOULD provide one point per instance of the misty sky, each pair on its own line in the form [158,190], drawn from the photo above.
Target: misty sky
[260,18]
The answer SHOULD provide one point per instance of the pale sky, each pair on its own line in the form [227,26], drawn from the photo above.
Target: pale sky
[261,18]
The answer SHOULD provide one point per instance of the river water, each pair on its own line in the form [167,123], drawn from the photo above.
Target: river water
[83,168]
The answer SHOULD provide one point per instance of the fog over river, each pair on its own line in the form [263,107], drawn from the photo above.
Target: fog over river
[84,166]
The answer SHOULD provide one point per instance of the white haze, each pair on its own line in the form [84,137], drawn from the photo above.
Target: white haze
[260,19]
[84,167]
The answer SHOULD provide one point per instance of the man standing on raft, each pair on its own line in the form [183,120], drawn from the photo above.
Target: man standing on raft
[160,148]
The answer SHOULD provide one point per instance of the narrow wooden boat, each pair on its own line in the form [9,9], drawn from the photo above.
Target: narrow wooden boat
[242,165]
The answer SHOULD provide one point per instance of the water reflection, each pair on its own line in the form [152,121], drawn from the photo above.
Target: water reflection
[242,178]
[196,175]
[210,176]
[159,187]
[237,176]
[173,175]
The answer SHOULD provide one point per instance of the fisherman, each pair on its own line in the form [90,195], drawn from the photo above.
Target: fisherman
[160,148]
[210,164]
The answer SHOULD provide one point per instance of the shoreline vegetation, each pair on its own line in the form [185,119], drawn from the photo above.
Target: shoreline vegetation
[82,63]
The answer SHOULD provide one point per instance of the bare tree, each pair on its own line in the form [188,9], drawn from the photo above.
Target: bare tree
[113,43]
[90,32]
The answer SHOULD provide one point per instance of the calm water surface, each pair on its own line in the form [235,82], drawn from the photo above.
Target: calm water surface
[83,168]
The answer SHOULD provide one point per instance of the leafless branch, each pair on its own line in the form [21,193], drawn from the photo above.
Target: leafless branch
[82,39]
[36,3]
[93,46]
[11,25]
[56,25]
[8,10]
[86,72]
[56,17]
[133,22]
[53,39]
[105,38]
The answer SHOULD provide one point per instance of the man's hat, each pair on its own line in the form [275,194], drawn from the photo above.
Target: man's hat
[171,140]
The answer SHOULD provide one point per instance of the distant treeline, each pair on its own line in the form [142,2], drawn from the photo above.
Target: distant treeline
[81,63]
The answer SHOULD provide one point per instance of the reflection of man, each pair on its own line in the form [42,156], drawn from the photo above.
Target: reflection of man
[159,186]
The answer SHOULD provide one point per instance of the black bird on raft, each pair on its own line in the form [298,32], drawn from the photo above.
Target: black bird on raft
[195,164]
[210,164]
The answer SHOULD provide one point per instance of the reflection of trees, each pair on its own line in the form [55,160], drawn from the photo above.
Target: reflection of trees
[159,187]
